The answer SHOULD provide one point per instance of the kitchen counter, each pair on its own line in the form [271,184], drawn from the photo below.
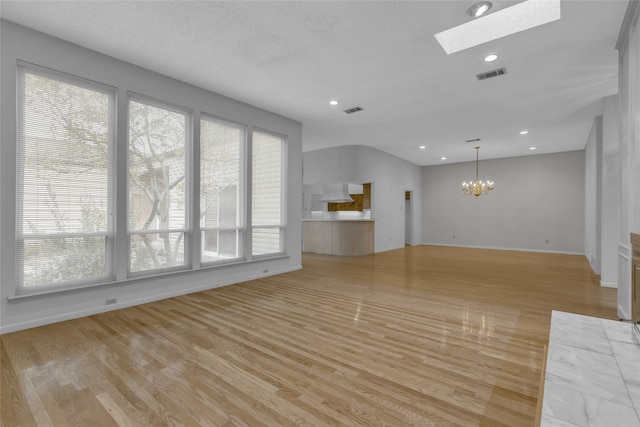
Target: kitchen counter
[343,237]
[592,375]
[338,219]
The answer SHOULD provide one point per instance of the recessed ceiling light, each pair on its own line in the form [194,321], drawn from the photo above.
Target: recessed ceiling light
[490,58]
[443,158]
[333,102]
[524,132]
[479,9]
[422,147]
[532,148]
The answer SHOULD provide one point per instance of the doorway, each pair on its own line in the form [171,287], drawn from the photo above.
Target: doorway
[408,217]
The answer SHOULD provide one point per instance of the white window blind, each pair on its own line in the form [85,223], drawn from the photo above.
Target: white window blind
[267,189]
[221,190]
[158,183]
[65,198]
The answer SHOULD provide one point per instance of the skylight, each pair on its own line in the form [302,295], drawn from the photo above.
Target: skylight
[519,17]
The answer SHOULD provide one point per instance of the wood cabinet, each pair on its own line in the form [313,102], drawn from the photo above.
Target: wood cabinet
[360,201]
[356,205]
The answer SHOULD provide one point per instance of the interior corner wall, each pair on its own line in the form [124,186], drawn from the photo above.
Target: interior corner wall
[593,196]
[21,43]
[629,152]
[390,177]
[610,197]
[537,204]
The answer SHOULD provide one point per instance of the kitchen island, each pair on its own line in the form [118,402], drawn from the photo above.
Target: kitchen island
[343,237]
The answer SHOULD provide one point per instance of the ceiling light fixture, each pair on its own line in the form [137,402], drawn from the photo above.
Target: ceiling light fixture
[490,58]
[443,158]
[532,148]
[524,132]
[477,187]
[422,147]
[333,102]
[479,9]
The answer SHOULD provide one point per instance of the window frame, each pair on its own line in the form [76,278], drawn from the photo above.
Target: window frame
[187,230]
[23,68]
[284,170]
[242,203]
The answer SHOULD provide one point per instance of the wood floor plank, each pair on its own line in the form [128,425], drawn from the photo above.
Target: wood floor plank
[423,336]
[19,405]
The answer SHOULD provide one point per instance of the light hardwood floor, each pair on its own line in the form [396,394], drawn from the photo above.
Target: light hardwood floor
[420,336]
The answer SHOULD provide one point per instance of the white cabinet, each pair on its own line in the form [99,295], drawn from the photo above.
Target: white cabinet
[343,238]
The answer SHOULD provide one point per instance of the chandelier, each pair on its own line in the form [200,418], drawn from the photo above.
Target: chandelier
[477,187]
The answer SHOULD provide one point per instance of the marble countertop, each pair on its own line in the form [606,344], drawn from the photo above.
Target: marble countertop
[593,373]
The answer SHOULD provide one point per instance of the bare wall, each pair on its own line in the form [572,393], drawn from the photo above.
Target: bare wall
[593,196]
[537,204]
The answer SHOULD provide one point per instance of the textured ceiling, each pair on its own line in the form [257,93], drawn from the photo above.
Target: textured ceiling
[292,57]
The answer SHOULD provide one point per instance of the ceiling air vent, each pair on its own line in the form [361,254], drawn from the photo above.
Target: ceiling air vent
[489,74]
[353,110]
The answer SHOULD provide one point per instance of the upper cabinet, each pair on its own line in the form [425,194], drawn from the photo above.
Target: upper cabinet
[361,199]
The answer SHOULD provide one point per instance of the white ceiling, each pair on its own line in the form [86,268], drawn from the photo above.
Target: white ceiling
[292,57]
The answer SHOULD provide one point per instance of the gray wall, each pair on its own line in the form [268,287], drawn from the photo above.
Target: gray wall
[390,178]
[602,193]
[537,204]
[20,43]
[610,206]
[628,153]
[593,196]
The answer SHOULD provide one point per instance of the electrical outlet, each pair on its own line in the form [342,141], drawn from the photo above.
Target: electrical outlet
[110,301]
[547,241]
[266,270]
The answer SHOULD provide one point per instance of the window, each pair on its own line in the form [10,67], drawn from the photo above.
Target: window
[65,182]
[267,194]
[158,183]
[68,230]
[221,192]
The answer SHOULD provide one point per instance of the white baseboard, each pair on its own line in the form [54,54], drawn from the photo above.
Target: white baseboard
[608,284]
[622,314]
[505,249]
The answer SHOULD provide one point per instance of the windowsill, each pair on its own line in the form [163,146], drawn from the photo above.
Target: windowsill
[130,280]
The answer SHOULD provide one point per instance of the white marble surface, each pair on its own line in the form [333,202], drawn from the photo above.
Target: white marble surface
[593,373]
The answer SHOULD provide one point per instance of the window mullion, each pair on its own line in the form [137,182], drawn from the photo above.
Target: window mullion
[248,240]
[122,194]
[196,233]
